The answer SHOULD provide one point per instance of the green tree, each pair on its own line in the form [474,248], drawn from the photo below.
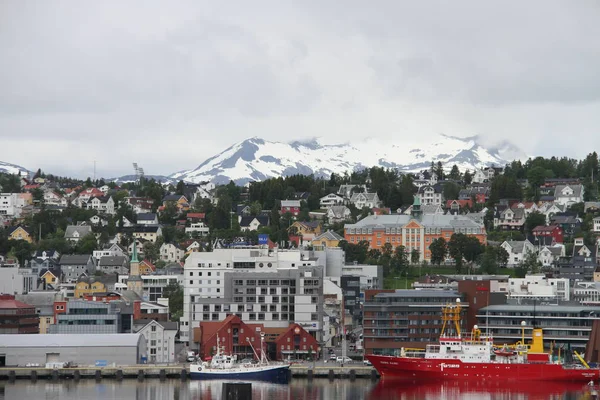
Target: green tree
[451,191]
[174,292]
[530,263]
[87,244]
[454,173]
[468,178]
[151,251]
[180,189]
[502,256]
[438,250]
[415,256]
[534,219]
[489,260]
[456,249]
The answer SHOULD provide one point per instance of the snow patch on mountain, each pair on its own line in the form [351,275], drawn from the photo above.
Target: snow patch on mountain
[256,159]
[13,169]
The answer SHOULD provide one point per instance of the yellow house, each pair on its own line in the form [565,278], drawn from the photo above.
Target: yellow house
[327,239]
[308,230]
[146,267]
[180,201]
[19,233]
[85,287]
[49,278]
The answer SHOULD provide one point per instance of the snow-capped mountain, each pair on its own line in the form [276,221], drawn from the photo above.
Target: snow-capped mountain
[8,168]
[165,180]
[256,159]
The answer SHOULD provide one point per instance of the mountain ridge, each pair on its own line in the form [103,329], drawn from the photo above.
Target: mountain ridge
[257,159]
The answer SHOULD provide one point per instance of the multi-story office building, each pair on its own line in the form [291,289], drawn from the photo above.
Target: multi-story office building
[275,288]
[11,205]
[80,316]
[562,324]
[393,319]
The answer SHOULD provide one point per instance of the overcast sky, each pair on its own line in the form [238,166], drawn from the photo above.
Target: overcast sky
[168,84]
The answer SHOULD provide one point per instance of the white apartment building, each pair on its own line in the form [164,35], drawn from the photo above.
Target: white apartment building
[275,288]
[152,285]
[538,286]
[11,205]
[160,339]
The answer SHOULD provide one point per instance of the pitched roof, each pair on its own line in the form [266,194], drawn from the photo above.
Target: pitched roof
[517,246]
[167,325]
[338,211]
[112,261]
[367,196]
[12,229]
[11,303]
[247,220]
[74,259]
[430,221]
[329,235]
[146,217]
[174,197]
[82,230]
[290,203]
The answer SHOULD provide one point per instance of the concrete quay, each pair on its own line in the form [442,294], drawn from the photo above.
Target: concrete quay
[141,372]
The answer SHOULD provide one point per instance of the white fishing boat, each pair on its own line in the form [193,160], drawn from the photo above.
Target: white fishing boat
[222,366]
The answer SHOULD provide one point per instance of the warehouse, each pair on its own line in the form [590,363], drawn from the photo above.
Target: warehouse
[83,350]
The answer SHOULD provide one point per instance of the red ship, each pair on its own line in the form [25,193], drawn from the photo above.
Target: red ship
[474,357]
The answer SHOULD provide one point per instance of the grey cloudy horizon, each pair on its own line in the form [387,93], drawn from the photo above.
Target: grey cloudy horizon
[168,85]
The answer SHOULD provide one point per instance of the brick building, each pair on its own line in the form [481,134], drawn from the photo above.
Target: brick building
[17,317]
[414,231]
[404,318]
[238,338]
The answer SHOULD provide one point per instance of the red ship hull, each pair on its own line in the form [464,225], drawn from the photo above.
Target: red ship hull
[450,369]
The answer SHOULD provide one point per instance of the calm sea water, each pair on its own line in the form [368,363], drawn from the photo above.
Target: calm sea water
[318,389]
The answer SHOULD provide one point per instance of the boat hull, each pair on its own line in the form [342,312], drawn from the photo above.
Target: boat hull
[277,373]
[390,367]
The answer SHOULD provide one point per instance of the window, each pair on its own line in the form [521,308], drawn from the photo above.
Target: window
[153,329]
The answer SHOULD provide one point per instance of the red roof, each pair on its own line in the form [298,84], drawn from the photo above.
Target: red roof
[30,187]
[543,228]
[8,302]
[196,215]
[149,264]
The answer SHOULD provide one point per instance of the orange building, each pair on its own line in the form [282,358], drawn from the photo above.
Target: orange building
[415,231]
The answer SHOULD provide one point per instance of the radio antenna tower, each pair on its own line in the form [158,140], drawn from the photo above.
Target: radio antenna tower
[139,174]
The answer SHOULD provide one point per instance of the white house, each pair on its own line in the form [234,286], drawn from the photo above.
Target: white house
[362,200]
[113,250]
[430,195]
[549,254]
[76,232]
[170,252]
[103,204]
[567,195]
[53,198]
[98,221]
[331,199]
[596,225]
[338,214]
[160,339]
[517,251]
[252,223]
[197,229]
[483,175]
[345,191]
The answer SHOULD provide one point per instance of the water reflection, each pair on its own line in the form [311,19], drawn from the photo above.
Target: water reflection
[501,390]
[297,389]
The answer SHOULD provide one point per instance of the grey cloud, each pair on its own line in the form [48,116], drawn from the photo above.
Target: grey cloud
[181,82]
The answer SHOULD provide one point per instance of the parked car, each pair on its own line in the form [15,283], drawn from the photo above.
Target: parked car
[367,362]
[331,351]
[343,359]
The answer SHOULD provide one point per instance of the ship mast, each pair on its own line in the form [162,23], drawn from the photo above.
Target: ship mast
[451,316]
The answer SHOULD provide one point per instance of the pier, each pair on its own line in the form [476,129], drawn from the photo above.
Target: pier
[180,371]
